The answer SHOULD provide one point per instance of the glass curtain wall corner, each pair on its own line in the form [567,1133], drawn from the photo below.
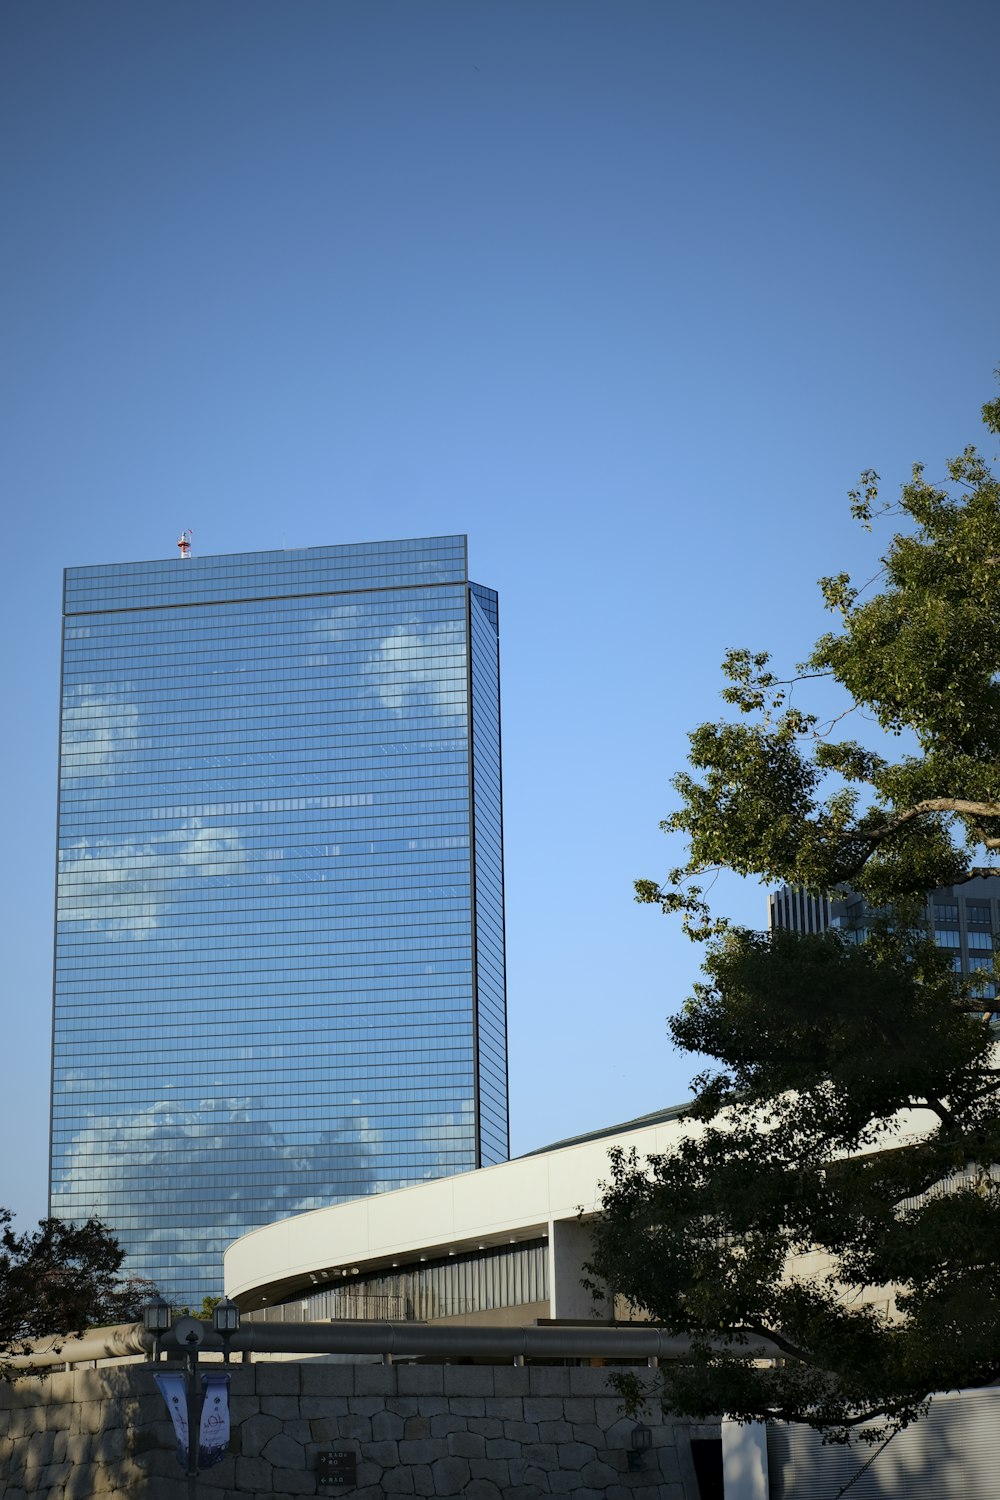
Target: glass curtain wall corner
[279,975]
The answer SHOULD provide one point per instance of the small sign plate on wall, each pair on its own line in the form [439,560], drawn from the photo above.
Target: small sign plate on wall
[337,1469]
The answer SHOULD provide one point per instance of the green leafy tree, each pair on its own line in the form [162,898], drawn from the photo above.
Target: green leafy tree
[838,1193]
[60,1280]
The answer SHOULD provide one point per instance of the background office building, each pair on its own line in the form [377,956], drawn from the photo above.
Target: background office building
[962,920]
[279,975]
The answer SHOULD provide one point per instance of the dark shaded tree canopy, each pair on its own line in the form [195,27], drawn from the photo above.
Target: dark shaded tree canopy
[838,1193]
[59,1280]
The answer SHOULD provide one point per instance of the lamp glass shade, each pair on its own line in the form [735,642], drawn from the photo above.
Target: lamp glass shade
[156,1315]
[225,1316]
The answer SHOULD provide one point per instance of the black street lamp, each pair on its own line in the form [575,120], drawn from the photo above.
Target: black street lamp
[226,1322]
[189,1334]
[156,1320]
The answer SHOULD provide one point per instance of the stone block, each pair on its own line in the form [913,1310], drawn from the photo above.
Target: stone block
[619,1434]
[466,1445]
[451,1475]
[506,1408]
[441,1426]
[423,1479]
[163,1489]
[79,1485]
[354,1425]
[575,1455]
[567,1482]
[542,1409]
[598,1475]
[468,1380]
[588,1432]
[24,1421]
[409,1406]
[108,1446]
[420,1380]
[284,1452]
[257,1431]
[488,1427]
[293,1482]
[57,1387]
[278,1379]
[324,1429]
[253,1475]
[92,1417]
[54,1476]
[483,1489]
[510,1380]
[366,1406]
[667,1461]
[59,1416]
[151,1409]
[397,1481]
[587,1380]
[579,1408]
[502,1448]
[316,1406]
[559,1431]
[221,1476]
[417,1427]
[521,1432]
[541,1455]
[523,1492]
[285,1408]
[496,1470]
[548,1380]
[88,1385]
[242,1380]
[374,1380]
[422,1451]
[385,1454]
[608,1410]
[327,1380]
[468,1406]
[301,1431]
[38,1449]
[387,1426]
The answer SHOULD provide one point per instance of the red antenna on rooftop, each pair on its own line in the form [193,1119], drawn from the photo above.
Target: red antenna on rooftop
[184,542]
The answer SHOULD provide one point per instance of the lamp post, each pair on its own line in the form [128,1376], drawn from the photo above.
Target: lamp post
[156,1320]
[226,1322]
[189,1334]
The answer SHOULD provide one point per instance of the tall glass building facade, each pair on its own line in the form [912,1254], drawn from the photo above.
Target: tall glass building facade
[279,975]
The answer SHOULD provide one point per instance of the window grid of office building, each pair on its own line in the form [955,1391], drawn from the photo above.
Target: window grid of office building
[962,920]
[279,952]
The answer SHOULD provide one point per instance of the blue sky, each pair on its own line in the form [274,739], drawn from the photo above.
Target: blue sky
[629,292]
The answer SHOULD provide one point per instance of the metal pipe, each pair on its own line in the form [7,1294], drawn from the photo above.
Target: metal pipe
[639,1341]
[96,1343]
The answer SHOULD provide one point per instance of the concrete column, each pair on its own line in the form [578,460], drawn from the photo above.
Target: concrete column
[744,1460]
[569,1246]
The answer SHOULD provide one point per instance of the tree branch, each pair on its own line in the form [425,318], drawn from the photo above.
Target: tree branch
[960,805]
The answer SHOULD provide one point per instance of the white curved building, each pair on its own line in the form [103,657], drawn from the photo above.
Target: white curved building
[503,1244]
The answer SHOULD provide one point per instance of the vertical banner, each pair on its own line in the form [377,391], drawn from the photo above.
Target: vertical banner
[213,1438]
[173,1389]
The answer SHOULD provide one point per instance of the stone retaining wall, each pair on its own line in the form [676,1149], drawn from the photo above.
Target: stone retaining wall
[479,1432]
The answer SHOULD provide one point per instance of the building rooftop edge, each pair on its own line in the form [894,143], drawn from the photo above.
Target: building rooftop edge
[447,536]
[655,1117]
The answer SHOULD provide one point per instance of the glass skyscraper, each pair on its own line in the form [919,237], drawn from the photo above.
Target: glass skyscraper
[279,975]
